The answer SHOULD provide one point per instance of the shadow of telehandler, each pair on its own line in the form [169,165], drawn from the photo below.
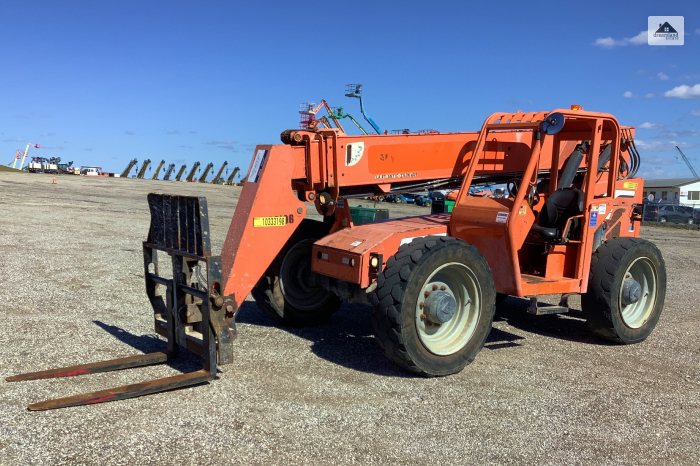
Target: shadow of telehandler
[184,362]
[347,338]
[570,327]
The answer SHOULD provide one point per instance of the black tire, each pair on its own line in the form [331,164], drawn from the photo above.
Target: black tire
[287,291]
[500,299]
[400,289]
[604,305]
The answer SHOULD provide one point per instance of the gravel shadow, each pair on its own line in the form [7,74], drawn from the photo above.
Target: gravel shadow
[569,327]
[347,338]
[184,362]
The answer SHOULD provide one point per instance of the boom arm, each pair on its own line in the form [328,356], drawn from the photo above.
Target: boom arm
[128,168]
[169,172]
[157,170]
[142,172]
[193,172]
[207,169]
[687,162]
[234,172]
[181,172]
[217,178]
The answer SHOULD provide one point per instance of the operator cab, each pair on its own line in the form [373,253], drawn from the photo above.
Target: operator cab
[559,217]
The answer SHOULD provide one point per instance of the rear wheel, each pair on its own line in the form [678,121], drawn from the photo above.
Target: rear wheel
[662,219]
[626,290]
[434,305]
[288,291]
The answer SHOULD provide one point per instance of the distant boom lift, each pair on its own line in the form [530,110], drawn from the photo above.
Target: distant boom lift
[145,166]
[207,169]
[169,171]
[24,155]
[128,168]
[193,172]
[355,91]
[308,113]
[687,162]
[158,168]
[339,114]
[18,155]
[217,178]
[181,172]
[229,180]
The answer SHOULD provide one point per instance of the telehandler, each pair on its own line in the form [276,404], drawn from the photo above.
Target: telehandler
[569,224]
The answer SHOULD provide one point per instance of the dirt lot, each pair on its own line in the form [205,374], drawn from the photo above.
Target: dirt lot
[543,390]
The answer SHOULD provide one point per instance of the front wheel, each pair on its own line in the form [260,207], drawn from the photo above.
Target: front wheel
[434,305]
[288,292]
[626,290]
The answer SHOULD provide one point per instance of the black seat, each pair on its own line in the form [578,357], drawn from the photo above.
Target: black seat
[563,203]
[559,207]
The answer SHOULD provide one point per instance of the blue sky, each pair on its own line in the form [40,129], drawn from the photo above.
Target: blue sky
[101,82]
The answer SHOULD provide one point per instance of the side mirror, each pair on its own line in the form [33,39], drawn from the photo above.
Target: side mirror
[553,123]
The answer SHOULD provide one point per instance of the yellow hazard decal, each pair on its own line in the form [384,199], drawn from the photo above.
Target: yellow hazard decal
[276,221]
[630,185]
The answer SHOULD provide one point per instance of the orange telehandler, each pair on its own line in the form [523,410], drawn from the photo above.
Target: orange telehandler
[568,225]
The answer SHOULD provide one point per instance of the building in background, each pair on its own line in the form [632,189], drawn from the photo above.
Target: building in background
[679,191]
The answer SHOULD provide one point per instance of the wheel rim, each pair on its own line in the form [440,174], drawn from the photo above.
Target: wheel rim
[635,314]
[456,281]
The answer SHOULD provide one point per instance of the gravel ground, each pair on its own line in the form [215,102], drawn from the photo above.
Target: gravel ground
[542,391]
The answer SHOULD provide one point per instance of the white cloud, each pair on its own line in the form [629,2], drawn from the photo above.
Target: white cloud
[627,95]
[684,91]
[609,42]
[662,76]
[647,125]
[606,42]
[649,95]
[658,145]
[639,39]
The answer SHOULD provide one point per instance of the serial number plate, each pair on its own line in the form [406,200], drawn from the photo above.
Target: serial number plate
[276,221]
